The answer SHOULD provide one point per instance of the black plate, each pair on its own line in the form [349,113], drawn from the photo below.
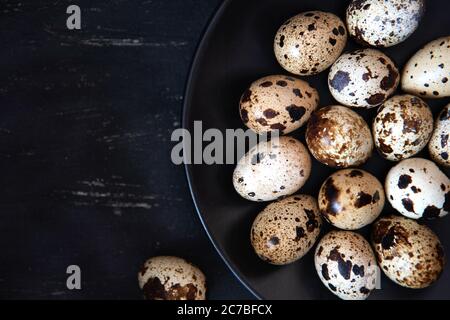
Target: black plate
[235,51]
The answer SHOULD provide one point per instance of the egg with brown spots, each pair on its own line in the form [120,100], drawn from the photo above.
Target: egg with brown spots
[286,230]
[402,127]
[363,78]
[417,188]
[339,137]
[272,169]
[351,199]
[171,278]
[410,254]
[427,73]
[278,103]
[440,143]
[383,23]
[310,42]
[346,265]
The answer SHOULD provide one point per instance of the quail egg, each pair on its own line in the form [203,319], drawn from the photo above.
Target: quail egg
[171,278]
[272,169]
[278,103]
[346,265]
[427,73]
[410,254]
[383,23]
[351,199]
[363,78]
[402,127]
[286,230]
[418,189]
[440,143]
[310,42]
[339,137]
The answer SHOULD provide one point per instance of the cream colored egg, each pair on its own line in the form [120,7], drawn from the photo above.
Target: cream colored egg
[346,265]
[171,278]
[410,254]
[402,127]
[383,23]
[351,199]
[310,42]
[272,169]
[440,143]
[427,73]
[363,78]
[286,230]
[278,103]
[417,188]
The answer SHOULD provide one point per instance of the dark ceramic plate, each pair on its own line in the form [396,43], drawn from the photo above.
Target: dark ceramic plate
[235,51]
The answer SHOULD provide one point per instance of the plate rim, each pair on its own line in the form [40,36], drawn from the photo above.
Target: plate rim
[206,35]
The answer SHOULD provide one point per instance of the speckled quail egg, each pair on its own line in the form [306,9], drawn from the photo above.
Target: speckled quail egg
[440,143]
[402,127]
[286,230]
[427,73]
[351,199]
[278,103]
[417,188]
[171,278]
[310,42]
[346,265]
[363,78]
[410,254]
[383,23]
[272,169]
[339,137]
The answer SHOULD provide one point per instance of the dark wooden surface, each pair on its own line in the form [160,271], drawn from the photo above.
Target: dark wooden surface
[85,124]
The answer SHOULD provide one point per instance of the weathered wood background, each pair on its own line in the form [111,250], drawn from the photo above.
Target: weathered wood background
[85,124]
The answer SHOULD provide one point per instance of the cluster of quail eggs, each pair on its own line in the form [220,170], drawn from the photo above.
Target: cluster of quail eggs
[408,253]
